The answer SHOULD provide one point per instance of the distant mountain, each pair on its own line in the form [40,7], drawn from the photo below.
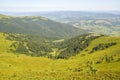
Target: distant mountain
[37,25]
[107,23]
[102,22]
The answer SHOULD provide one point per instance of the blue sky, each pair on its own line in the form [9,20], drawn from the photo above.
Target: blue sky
[53,5]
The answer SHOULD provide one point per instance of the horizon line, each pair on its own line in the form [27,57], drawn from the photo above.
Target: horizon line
[62,10]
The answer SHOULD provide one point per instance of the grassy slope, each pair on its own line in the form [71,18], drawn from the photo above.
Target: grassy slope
[4,44]
[16,66]
[96,56]
[114,50]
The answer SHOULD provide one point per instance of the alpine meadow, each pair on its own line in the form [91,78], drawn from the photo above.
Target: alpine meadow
[59,40]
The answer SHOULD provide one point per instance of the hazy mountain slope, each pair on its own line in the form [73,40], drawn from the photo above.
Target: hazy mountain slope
[107,23]
[37,25]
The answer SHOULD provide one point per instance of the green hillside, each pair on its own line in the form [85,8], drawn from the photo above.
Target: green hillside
[33,45]
[37,26]
[100,60]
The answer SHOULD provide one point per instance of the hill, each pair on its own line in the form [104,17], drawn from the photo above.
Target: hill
[37,26]
[106,23]
[33,45]
[42,46]
[100,60]
[103,22]
[73,46]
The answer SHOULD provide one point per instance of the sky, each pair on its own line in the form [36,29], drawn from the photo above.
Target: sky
[57,5]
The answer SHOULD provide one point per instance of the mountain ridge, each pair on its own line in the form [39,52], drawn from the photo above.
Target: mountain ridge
[39,26]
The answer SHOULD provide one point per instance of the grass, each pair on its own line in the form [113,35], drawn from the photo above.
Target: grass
[4,44]
[60,40]
[22,67]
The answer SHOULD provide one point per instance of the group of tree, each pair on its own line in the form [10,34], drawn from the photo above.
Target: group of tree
[75,45]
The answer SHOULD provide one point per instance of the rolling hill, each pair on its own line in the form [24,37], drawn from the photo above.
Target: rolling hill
[100,60]
[107,23]
[103,22]
[37,26]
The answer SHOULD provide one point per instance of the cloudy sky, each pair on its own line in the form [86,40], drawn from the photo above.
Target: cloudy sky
[53,5]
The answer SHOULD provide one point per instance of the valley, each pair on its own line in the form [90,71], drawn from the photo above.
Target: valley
[37,48]
[85,65]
